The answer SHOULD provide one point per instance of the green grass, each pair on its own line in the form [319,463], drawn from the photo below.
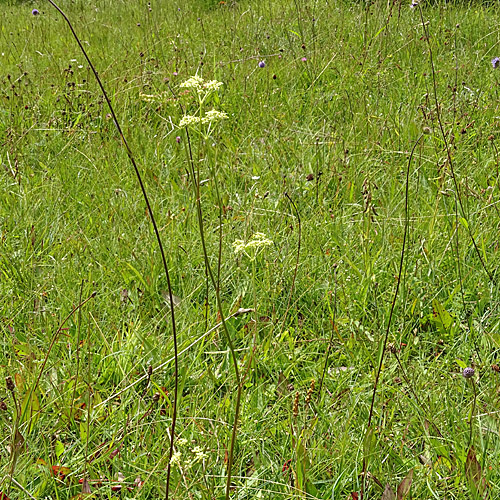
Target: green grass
[334,132]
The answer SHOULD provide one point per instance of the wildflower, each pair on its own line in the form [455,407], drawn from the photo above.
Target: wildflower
[212,85]
[495,62]
[195,82]
[213,116]
[178,139]
[256,242]
[176,458]
[413,4]
[175,73]
[304,59]
[199,454]
[262,64]
[35,12]
[188,120]
[468,372]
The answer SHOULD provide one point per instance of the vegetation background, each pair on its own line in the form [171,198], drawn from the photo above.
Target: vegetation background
[345,91]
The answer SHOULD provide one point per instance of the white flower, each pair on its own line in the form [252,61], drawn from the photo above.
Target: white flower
[213,116]
[195,82]
[212,85]
[199,454]
[188,120]
[259,240]
[239,246]
[256,242]
[176,458]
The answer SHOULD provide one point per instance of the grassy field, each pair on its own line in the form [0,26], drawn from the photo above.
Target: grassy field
[301,192]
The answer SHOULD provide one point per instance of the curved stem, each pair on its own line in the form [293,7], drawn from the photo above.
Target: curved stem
[156,231]
[386,336]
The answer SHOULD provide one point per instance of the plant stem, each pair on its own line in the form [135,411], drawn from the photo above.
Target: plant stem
[156,231]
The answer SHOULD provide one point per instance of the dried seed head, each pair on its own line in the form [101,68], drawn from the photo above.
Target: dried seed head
[495,368]
[3,406]
[150,370]
[310,392]
[156,397]
[468,372]
[296,405]
[10,384]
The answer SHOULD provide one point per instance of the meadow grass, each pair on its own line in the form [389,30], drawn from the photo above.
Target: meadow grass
[316,146]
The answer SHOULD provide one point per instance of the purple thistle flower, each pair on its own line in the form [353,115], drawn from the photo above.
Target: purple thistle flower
[262,64]
[495,62]
[35,12]
[468,372]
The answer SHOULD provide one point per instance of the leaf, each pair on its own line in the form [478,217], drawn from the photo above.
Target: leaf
[282,387]
[301,466]
[388,493]
[59,449]
[473,471]
[441,316]
[86,487]
[18,441]
[19,381]
[60,472]
[30,410]
[368,443]
[405,485]
[83,431]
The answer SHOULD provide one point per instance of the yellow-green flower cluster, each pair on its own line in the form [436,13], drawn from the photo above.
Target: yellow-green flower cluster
[201,86]
[210,117]
[252,246]
[188,120]
[213,116]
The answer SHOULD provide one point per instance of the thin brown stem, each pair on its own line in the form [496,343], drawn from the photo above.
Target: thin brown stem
[156,231]
[447,147]
[393,305]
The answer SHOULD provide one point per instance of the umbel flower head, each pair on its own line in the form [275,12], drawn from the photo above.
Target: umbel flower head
[201,86]
[213,116]
[468,372]
[209,117]
[188,120]
[253,246]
